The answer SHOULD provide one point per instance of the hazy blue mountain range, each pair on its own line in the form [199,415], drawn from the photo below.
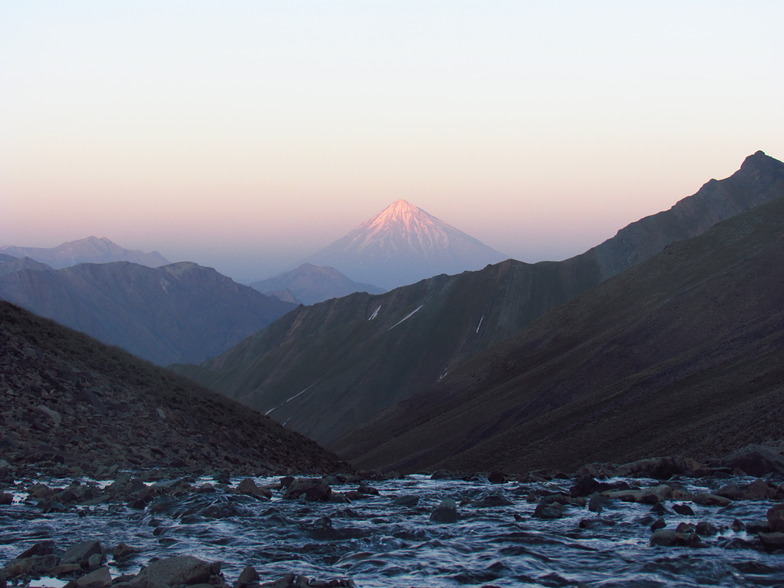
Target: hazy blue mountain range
[10,264]
[175,313]
[89,250]
[401,245]
[328,368]
[682,354]
[310,284]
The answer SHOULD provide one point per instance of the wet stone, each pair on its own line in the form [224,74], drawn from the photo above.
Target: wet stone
[445,512]
[492,501]
[409,500]
[775,516]
[249,488]
[248,576]
[311,489]
[772,541]
[100,578]
[683,509]
[123,552]
[675,538]
[176,571]
[549,510]
[706,529]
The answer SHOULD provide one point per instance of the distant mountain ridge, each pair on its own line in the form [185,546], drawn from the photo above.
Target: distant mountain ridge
[404,244]
[310,284]
[10,264]
[328,368]
[176,313]
[89,250]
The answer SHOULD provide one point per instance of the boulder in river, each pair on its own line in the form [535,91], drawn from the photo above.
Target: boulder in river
[675,538]
[756,460]
[445,512]
[178,571]
[83,554]
[99,578]
[314,490]
[776,518]
[772,541]
[249,488]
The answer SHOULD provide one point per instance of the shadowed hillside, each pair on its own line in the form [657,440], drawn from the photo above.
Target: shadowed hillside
[681,354]
[71,402]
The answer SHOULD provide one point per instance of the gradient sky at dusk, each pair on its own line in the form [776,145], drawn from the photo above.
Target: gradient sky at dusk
[245,135]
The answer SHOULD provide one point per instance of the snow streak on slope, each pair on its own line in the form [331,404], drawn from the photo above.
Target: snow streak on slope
[405,318]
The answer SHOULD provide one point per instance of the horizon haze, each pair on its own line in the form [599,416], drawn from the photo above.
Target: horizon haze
[246,136]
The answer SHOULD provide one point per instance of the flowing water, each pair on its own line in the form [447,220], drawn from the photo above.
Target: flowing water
[375,541]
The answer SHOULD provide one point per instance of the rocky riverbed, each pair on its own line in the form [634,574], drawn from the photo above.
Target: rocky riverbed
[652,523]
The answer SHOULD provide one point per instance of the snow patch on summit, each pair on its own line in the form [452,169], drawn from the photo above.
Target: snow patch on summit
[403,244]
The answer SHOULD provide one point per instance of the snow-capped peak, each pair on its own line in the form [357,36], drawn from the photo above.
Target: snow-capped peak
[402,244]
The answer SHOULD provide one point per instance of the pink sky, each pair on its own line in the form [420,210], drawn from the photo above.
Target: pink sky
[246,135]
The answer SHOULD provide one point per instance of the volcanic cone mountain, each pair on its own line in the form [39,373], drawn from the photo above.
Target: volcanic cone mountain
[404,244]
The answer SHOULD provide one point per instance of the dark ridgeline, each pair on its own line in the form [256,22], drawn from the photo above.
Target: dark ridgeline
[330,368]
[181,312]
[72,404]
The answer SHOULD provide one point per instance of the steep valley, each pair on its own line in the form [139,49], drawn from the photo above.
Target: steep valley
[327,369]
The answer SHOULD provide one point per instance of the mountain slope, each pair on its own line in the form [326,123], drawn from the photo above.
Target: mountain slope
[179,312]
[682,354]
[403,244]
[311,284]
[89,250]
[71,402]
[326,369]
